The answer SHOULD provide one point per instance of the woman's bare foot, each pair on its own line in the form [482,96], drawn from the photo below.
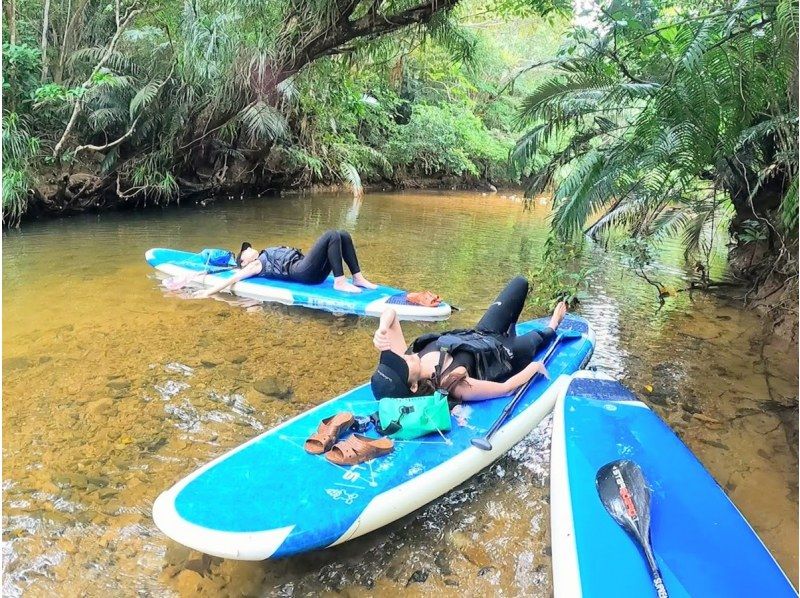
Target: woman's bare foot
[360,281]
[340,284]
[558,315]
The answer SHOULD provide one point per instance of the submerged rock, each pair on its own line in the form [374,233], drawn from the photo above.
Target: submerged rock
[209,361]
[101,406]
[119,384]
[714,443]
[272,387]
[188,582]
[16,363]
[419,576]
[176,554]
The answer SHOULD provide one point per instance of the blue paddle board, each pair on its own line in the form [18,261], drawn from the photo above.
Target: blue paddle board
[702,543]
[369,302]
[269,498]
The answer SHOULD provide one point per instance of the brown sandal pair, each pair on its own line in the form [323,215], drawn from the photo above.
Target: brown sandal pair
[424,298]
[352,450]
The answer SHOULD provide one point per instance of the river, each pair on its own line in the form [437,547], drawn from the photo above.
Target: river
[113,389]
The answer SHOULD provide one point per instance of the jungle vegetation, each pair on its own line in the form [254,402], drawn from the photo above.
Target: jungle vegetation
[139,102]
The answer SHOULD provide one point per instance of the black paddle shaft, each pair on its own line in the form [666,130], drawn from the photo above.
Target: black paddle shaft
[626,496]
[484,443]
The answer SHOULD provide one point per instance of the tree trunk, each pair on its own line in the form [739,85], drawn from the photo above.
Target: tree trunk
[73,24]
[45,26]
[9,6]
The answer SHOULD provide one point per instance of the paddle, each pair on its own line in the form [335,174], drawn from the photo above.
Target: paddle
[626,496]
[484,443]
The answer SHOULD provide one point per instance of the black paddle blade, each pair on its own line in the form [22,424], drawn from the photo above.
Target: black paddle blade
[481,443]
[625,495]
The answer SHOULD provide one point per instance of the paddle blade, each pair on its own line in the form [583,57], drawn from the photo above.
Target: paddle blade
[625,495]
[481,443]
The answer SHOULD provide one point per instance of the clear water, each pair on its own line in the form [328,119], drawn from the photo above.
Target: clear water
[113,389]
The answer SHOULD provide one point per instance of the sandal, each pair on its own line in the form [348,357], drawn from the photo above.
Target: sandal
[357,449]
[328,432]
[424,298]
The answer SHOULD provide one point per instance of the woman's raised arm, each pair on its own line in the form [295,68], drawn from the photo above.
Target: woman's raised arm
[389,335]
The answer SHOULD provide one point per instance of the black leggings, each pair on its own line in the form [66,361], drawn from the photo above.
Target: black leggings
[325,257]
[502,317]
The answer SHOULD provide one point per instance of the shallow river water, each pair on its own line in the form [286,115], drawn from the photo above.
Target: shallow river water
[113,389]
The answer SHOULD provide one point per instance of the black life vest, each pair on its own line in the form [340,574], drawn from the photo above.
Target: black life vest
[492,357]
[276,261]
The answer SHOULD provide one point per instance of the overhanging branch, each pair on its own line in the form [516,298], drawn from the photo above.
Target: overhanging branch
[372,24]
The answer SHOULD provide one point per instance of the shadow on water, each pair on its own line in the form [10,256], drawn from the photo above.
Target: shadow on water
[114,389]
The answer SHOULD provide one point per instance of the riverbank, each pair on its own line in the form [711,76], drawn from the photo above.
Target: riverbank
[64,194]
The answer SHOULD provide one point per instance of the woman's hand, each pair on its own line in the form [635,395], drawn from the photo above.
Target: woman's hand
[381,339]
[202,294]
[538,368]
[389,335]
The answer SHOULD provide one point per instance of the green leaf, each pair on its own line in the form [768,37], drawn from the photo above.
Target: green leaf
[143,97]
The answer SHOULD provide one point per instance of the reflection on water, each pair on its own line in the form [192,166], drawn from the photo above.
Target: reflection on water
[113,390]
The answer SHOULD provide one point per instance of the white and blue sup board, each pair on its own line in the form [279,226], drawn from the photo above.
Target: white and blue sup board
[269,498]
[369,302]
[702,543]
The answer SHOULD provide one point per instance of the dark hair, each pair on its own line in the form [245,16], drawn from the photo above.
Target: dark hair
[425,386]
[245,245]
[450,380]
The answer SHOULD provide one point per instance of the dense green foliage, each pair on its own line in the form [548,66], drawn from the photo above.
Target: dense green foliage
[670,118]
[560,276]
[156,101]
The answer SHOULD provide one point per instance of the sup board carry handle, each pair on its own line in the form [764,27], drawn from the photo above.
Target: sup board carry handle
[484,443]
[625,494]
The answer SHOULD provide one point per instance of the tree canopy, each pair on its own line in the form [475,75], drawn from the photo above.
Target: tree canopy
[159,100]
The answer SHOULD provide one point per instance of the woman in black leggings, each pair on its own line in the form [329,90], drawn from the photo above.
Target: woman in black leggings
[287,263]
[482,363]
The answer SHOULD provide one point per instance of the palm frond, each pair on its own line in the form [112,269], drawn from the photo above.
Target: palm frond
[263,122]
[144,96]
[350,175]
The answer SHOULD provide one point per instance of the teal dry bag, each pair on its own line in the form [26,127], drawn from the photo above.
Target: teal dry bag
[217,257]
[412,417]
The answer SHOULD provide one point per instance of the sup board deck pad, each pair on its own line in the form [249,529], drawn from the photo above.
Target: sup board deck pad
[269,498]
[369,302]
[702,543]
